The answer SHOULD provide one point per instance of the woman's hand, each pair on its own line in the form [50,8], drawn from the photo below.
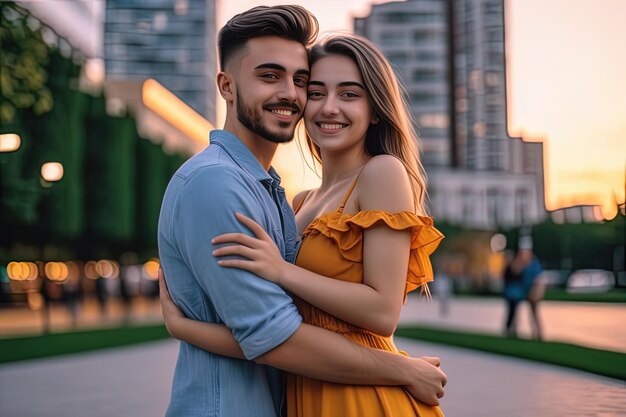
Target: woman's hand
[171,312]
[262,256]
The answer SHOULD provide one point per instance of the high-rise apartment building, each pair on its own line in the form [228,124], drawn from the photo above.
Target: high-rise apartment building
[450,56]
[172,41]
[413,36]
[480,84]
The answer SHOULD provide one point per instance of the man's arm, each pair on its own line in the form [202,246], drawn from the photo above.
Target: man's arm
[325,355]
[353,368]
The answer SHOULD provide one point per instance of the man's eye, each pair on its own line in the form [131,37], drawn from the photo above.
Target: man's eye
[300,82]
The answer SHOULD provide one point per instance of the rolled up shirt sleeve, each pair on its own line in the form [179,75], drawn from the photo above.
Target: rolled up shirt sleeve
[260,314]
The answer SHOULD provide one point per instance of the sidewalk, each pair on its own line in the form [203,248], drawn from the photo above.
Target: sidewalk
[596,325]
[136,381]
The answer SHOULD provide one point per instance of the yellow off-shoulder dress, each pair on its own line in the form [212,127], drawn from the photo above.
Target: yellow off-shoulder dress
[332,245]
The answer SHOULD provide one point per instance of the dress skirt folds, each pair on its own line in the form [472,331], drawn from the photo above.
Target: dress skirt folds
[332,246]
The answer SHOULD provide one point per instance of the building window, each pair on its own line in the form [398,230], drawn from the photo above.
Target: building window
[468,205]
[496,58]
[521,206]
[427,75]
[427,36]
[492,207]
[434,120]
[403,17]
[392,38]
[397,58]
[492,8]
[494,35]
[429,56]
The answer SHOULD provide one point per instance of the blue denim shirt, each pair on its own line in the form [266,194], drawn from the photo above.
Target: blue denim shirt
[200,203]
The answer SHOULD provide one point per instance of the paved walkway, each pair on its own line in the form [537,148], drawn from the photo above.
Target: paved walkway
[599,325]
[135,382]
[589,324]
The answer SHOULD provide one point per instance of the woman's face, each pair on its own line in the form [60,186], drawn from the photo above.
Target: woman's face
[338,112]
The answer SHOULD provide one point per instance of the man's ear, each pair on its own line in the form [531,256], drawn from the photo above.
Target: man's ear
[226,86]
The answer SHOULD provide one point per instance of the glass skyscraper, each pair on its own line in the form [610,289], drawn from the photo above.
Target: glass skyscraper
[172,41]
[450,55]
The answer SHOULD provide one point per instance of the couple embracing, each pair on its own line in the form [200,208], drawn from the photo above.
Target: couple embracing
[281,314]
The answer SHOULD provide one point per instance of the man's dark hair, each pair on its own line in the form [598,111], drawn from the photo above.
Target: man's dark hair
[288,22]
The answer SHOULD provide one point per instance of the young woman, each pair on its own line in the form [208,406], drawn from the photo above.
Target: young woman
[366,239]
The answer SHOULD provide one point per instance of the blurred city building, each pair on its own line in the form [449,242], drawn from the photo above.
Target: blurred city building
[413,37]
[172,41]
[167,40]
[577,214]
[450,56]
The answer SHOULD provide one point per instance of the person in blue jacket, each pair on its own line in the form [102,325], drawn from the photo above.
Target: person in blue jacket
[520,276]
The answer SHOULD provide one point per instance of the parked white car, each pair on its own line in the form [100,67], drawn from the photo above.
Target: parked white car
[590,280]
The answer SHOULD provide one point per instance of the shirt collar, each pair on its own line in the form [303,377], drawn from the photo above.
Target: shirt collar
[242,156]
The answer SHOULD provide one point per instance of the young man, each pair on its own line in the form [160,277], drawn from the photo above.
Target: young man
[263,79]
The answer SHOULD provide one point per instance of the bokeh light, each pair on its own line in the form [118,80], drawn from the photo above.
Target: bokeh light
[498,242]
[108,269]
[56,271]
[9,142]
[52,171]
[90,270]
[151,268]
[22,271]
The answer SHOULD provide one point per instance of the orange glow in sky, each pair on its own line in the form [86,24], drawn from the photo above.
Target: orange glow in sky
[567,86]
[566,66]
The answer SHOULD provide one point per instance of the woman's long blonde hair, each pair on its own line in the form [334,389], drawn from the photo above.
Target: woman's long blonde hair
[394,133]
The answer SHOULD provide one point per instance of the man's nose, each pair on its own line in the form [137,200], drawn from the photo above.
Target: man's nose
[288,91]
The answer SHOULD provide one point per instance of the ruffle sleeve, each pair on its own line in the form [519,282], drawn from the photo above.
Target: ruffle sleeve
[347,232]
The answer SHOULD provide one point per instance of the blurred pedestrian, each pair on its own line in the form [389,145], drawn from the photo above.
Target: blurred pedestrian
[443,287]
[102,296]
[521,283]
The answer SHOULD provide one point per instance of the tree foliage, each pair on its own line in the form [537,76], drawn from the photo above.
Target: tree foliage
[23,72]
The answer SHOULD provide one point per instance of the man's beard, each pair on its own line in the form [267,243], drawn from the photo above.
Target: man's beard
[252,121]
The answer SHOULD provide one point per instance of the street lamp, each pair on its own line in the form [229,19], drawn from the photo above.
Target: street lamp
[9,142]
[52,171]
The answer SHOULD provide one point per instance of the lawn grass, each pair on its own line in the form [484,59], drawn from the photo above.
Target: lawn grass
[54,344]
[601,362]
[617,295]
[613,296]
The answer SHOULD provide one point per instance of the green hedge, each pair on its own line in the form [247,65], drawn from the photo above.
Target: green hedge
[601,362]
[54,344]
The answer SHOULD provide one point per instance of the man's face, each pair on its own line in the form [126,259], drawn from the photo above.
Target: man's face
[271,84]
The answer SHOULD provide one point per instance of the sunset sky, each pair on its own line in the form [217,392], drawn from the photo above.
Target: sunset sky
[566,67]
